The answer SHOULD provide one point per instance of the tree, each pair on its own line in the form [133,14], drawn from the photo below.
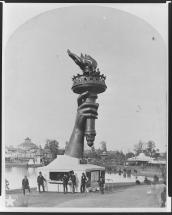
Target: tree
[151,149]
[103,146]
[53,146]
[90,153]
[164,155]
[116,157]
[139,148]
[129,155]
[93,152]
[93,149]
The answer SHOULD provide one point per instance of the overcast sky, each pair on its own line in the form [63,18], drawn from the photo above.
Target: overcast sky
[39,101]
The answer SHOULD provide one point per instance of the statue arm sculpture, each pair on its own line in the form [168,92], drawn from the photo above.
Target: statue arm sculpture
[76,143]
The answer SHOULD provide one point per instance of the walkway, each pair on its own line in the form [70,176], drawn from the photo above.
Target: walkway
[133,196]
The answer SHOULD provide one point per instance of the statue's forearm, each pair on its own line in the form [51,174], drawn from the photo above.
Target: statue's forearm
[76,144]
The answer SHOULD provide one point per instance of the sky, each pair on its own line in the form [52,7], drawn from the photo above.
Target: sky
[39,102]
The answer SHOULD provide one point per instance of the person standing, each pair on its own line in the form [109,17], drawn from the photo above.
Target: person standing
[163,197]
[155,179]
[101,184]
[83,183]
[124,173]
[73,179]
[40,181]
[137,181]
[7,184]
[25,184]
[135,171]
[120,171]
[65,183]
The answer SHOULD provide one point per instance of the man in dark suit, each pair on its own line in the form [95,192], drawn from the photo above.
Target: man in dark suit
[83,183]
[40,181]
[73,179]
[25,184]
[65,180]
[101,184]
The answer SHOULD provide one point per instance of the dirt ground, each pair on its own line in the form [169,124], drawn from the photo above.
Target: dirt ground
[132,197]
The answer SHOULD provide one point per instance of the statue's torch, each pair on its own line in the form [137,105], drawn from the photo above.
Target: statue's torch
[90,81]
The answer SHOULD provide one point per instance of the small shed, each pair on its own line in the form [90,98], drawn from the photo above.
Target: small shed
[64,164]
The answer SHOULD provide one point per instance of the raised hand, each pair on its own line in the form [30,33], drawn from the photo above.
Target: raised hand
[85,110]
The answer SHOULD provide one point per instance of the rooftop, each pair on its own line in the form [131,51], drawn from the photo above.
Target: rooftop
[27,144]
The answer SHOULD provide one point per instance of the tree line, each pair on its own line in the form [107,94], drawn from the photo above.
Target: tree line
[102,153]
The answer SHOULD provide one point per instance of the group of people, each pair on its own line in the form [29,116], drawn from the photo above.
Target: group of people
[40,182]
[67,179]
[71,180]
[125,172]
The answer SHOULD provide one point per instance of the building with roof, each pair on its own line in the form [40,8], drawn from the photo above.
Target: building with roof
[142,159]
[64,164]
[24,152]
[28,145]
